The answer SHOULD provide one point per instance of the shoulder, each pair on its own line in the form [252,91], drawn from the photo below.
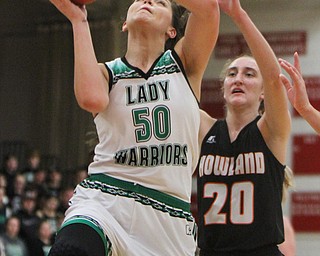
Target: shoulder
[277,144]
[206,122]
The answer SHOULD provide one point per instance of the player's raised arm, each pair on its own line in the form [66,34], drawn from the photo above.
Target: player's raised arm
[201,33]
[275,124]
[90,84]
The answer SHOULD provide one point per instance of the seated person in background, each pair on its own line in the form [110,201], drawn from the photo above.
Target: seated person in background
[13,244]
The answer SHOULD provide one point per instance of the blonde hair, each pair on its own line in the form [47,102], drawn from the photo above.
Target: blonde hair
[288,182]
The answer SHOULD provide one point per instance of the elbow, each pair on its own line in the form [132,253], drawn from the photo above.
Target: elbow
[213,4]
[92,97]
[205,9]
[94,105]
[210,13]
[211,8]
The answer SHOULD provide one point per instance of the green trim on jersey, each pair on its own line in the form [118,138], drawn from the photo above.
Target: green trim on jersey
[122,71]
[164,65]
[147,196]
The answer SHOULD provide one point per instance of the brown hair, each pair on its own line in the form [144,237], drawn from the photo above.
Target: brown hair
[180,17]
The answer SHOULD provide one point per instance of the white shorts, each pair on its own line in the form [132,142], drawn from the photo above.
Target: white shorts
[137,220]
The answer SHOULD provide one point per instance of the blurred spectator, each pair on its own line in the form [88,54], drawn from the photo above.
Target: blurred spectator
[13,244]
[10,170]
[2,251]
[3,181]
[80,175]
[19,185]
[54,183]
[39,183]
[43,242]
[65,195]
[49,211]
[5,210]
[33,164]
[28,218]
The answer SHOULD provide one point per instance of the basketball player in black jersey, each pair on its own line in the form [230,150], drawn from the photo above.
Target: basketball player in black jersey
[242,163]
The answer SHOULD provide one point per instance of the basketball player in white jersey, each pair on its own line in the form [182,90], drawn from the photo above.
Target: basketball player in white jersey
[136,200]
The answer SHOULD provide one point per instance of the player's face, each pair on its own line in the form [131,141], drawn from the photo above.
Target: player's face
[243,84]
[156,14]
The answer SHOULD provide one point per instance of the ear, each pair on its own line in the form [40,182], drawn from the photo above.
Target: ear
[261,96]
[171,32]
[124,27]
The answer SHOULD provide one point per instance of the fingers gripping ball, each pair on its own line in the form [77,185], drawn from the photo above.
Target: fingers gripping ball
[82,2]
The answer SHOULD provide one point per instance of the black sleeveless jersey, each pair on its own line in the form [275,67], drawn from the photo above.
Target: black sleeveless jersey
[239,192]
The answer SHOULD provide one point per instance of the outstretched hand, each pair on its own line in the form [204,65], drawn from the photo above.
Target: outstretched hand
[72,11]
[296,88]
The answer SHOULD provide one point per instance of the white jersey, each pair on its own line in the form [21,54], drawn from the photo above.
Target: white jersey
[149,132]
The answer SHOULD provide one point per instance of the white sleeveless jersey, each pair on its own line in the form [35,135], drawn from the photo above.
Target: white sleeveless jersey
[149,132]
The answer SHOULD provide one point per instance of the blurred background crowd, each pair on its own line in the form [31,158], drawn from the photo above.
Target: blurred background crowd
[33,200]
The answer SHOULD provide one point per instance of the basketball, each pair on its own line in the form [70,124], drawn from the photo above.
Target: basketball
[82,2]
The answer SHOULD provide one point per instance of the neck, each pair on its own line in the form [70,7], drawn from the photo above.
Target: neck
[143,50]
[237,121]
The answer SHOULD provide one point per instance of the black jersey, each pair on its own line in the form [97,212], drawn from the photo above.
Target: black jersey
[239,192]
